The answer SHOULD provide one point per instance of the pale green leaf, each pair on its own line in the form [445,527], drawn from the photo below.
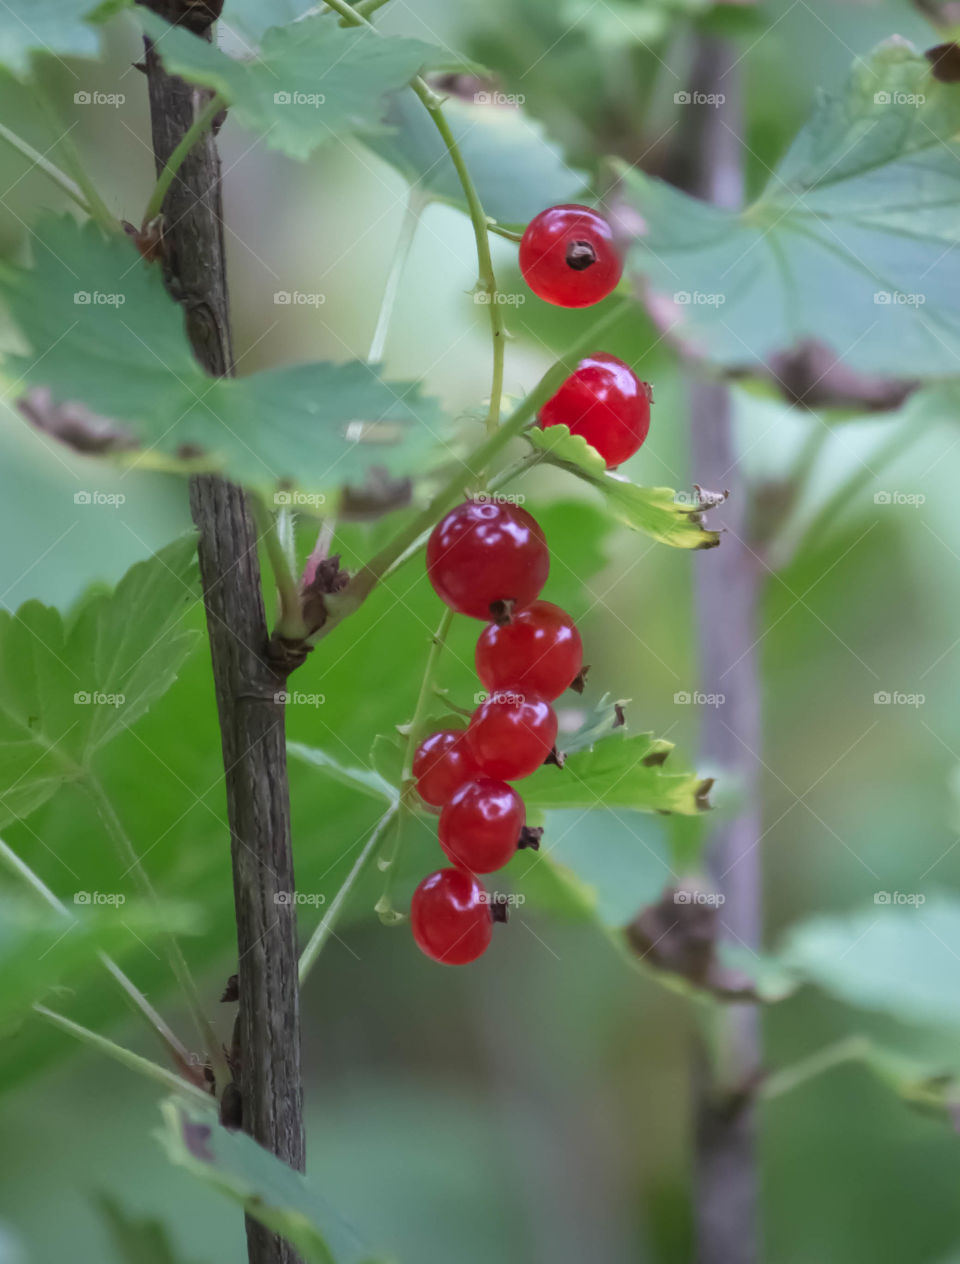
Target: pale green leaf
[657,511]
[100,329]
[60,28]
[852,242]
[366,780]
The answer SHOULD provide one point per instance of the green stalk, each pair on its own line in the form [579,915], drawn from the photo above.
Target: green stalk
[341,605]
[63,181]
[96,206]
[290,622]
[178,962]
[126,1057]
[326,928]
[408,227]
[156,1022]
[190,137]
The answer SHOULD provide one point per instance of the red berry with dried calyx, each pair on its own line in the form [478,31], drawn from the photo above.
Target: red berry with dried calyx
[538,651]
[485,558]
[451,917]
[510,735]
[568,257]
[441,764]
[605,402]
[480,827]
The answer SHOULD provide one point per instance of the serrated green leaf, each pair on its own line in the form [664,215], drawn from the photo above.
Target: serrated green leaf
[268,1189]
[61,28]
[67,688]
[366,780]
[897,958]
[101,330]
[40,950]
[312,81]
[852,242]
[516,170]
[656,511]
[619,772]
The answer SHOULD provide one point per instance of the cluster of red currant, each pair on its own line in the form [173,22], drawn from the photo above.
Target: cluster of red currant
[489,560]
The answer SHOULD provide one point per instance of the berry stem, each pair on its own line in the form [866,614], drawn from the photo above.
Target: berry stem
[126,1057]
[59,178]
[507,233]
[326,928]
[341,605]
[408,227]
[176,1047]
[190,137]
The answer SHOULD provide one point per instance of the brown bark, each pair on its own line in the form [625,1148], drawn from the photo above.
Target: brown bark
[246,677]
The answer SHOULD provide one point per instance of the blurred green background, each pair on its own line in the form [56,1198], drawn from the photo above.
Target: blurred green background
[534,1108]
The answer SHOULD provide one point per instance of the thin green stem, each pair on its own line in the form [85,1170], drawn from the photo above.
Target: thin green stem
[850,1049]
[408,228]
[341,605]
[96,206]
[366,7]
[126,1057]
[290,622]
[155,1021]
[408,791]
[63,181]
[190,137]
[507,233]
[178,963]
[327,926]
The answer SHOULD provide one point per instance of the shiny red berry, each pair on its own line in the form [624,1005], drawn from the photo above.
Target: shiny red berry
[484,553]
[442,763]
[604,401]
[510,735]
[567,256]
[451,918]
[480,826]
[538,653]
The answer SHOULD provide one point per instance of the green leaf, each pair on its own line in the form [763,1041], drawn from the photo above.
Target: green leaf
[366,780]
[657,511]
[897,958]
[101,330]
[313,81]
[516,170]
[852,242]
[40,950]
[67,688]
[60,28]
[251,18]
[604,767]
[267,1189]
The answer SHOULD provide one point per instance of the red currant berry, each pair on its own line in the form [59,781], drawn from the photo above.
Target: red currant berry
[484,553]
[441,764]
[567,256]
[480,826]
[606,402]
[450,915]
[538,652]
[510,736]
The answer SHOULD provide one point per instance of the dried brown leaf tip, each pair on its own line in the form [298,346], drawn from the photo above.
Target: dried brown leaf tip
[679,934]
[944,62]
